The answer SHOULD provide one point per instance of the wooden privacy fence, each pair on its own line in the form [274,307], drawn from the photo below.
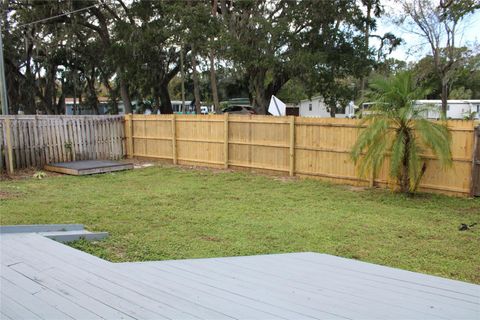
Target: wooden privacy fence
[33,141]
[308,147]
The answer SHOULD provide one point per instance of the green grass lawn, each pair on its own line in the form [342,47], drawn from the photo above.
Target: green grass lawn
[172,213]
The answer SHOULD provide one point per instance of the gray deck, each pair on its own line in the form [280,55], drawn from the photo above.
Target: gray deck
[85,167]
[44,279]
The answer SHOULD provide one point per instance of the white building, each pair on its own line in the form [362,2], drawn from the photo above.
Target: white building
[76,108]
[456,109]
[316,107]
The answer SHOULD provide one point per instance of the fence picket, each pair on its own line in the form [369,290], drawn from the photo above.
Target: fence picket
[2,150]
[51,141]
[81,139]
[16,143]
[22,145]
[37,140]
[31,140]
[41,142]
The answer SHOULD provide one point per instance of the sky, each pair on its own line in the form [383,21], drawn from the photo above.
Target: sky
[414,48]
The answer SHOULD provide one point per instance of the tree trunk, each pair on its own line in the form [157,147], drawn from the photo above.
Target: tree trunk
[166,103]
[363,82]
[404,179]
[92,92]
[213,81]
[124,92]
[333,111]
[444,97]
[257,84]
[113,95]
[196,86]
[49,89]
[213,76]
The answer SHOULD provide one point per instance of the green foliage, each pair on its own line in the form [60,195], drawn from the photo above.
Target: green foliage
[130,50]
[39,175]
[397,128]
[465,77]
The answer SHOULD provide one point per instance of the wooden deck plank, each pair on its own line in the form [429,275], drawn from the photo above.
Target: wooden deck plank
[211,295]
[390,273]
[352,281]
[14,310]
[205,297]
[373,279]
[323,285]
[59,280]
[113,282]
[31,302]
[338,303]
[98,300]
[49,297]
[85,167]
[283,294]
[281,305]
[70,292]
[67,283]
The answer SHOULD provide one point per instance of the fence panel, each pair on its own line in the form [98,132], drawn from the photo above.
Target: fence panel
[33,141]
[307,147]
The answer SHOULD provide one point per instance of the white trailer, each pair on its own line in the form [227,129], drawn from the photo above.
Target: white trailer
[316,107]
[456,109]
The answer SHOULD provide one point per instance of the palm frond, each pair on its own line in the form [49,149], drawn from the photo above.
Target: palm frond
[437,138]
[399,128]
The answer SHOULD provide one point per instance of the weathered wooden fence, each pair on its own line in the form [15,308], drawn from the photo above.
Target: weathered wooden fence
[33,141]
[308,147]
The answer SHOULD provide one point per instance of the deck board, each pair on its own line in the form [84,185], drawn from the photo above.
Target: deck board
[44,279]
[86,167]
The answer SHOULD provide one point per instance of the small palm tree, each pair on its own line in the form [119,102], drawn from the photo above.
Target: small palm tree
[397,128]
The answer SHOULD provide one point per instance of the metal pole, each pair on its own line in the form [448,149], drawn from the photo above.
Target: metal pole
[3,89]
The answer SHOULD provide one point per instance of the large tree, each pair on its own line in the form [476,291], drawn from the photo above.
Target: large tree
[438,25]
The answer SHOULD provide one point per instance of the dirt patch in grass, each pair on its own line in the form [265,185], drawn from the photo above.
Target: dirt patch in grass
[356,188]
[5,195]
[211,238]
[25,174]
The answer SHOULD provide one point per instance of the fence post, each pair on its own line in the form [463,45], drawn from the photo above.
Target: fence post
[174,139]
[475,174]
[8,144]
[225,141]
[292,146]
[129,134]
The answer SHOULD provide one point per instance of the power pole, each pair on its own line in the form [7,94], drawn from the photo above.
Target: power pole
[3,89]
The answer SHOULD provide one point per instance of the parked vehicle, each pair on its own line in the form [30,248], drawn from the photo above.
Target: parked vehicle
[239,110]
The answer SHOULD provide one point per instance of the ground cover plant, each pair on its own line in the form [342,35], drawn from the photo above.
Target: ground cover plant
[175,213]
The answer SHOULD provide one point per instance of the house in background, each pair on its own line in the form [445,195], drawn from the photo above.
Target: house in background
[76,108]
[316,107]
[456,109]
